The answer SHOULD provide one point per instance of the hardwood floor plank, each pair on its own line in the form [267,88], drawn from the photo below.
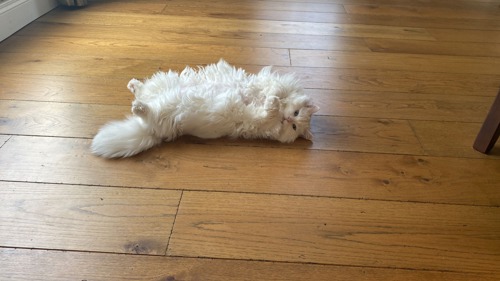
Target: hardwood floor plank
[318,78]
[82,120]
[86,66]
[305,14]
[3,139]
[67,89]
[397,81]
[249,7]
[214,25]
[404,62]
[372,104]
[343,18]
[390,189]
[410,106]
[433,47]
[453,139]
[225,13]
[364,135]
[56,119]
[166,52]
[437,3]
[264,10]
[455,10]
[385,105]
[133,7]
[234,168]
[237,38]
[483,36]
[86,218]
[337,231]
[34,265]
[452,24]
[344,134]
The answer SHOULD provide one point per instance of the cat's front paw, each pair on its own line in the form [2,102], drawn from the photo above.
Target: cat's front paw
[139,108]
[272,106]
[134,85]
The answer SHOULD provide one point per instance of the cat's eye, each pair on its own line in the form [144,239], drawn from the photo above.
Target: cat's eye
[294,127]
[296,113]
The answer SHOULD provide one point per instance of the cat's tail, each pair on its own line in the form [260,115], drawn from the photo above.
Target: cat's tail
[124,138]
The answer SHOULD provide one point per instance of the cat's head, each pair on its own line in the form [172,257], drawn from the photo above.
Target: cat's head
[297,111]
[296,108]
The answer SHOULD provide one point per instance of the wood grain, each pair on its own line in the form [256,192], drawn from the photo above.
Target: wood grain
[458,10]
[413,62]
[397,81]
[86,66]
[433,47]
[36,265]
[390,189]
[318,78]
[3,139]
[190,24]
[353,134]
[449,138]
[337,231]
[409,106]
[267,10]
[86,218]
[112,91]
[452,24]
[341,134]
[484,36]
[235,168]
[66,89]
[283,13]
[83,120]
[248,7]
[326,78]
[57,119]
[166,52]
[139,7]
[237,38]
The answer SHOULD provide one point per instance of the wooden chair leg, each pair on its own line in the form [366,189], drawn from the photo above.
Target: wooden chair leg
[488,135]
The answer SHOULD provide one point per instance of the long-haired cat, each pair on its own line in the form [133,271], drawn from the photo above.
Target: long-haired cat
[209,102]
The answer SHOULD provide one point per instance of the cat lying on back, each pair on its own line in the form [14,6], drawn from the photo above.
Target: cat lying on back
[210,102]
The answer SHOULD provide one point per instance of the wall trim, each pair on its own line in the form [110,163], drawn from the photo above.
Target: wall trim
[15,14]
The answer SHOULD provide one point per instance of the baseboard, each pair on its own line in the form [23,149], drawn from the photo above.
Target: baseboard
[15,14]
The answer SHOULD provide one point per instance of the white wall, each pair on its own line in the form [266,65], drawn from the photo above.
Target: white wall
[15,14]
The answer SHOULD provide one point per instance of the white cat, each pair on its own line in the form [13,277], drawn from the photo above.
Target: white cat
[209,102]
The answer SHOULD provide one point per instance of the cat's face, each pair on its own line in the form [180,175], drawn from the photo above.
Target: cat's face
[295,109]
[297,112]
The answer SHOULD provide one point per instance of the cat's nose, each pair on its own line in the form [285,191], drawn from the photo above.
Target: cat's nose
[289,119]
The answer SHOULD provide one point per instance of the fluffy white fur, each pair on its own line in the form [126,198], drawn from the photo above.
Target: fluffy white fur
[209,102]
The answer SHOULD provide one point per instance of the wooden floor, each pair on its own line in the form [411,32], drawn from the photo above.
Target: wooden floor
[390,189]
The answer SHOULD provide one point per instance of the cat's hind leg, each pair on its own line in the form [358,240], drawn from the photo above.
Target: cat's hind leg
[140,109]
[134,85]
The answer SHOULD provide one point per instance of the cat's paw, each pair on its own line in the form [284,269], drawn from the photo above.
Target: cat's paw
[139,108]
[272,106]
[134,85]
[272,103]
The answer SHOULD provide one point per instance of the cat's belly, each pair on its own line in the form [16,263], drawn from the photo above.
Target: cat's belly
[208,132]
[208,128]
[212,118]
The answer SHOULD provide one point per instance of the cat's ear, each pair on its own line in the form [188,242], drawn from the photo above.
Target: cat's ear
[313,108]
[307,135]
